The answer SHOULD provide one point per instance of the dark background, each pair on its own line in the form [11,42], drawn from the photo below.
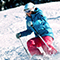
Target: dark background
[7,4]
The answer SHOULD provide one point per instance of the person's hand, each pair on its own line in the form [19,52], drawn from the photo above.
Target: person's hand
[30,23]
[18,35]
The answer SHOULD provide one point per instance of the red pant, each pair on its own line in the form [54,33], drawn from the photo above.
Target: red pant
[37,42]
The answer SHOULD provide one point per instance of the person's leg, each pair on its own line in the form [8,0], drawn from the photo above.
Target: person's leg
[32,46]
[49,41]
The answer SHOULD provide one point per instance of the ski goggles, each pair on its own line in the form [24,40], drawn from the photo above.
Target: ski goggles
[27,11]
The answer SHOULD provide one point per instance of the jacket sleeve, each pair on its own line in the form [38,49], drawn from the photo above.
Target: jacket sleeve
[26,32]
[42,17]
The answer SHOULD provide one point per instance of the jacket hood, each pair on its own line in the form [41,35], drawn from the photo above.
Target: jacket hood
[37,10]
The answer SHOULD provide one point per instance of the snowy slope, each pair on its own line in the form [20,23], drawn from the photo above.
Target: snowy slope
[13,21]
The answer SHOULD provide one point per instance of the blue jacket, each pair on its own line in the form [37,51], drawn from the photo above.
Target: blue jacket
[39,23]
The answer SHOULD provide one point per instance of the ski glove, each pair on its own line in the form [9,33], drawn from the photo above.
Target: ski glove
[30,23]
[18,35]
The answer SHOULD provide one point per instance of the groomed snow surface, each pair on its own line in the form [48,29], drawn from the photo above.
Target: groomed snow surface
[13,21]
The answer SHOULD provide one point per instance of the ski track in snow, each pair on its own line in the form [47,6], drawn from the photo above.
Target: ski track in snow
[13,21]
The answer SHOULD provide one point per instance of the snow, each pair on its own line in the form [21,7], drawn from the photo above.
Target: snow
[13,21]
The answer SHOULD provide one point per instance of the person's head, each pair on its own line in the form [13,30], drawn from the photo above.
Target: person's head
[29,7]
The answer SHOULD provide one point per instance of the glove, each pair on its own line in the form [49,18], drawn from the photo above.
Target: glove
[18,35]
[30,23]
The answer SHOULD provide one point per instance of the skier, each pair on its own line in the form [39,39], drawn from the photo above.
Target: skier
[39,21]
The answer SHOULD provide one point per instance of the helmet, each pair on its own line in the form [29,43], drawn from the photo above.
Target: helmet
[29,6]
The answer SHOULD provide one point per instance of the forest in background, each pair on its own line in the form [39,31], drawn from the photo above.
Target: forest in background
[7,4]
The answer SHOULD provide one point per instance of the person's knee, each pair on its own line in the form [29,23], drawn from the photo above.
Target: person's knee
[30,43]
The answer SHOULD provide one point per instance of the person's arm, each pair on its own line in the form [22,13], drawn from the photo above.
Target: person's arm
[26,32]
[42,16]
